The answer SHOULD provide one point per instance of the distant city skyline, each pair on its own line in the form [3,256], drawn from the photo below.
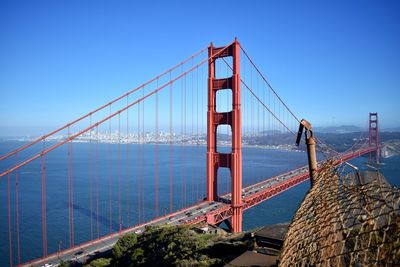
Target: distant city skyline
[332,62]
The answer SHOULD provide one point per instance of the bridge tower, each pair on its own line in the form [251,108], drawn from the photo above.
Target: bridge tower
[374,136]
[233,160]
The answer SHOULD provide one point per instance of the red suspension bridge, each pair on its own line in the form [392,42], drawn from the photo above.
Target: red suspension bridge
[175,150]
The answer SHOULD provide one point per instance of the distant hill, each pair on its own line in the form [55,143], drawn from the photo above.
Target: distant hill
[393,129]
[350,129]
[339,129]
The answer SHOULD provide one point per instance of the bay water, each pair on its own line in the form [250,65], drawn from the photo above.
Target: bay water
[126,174]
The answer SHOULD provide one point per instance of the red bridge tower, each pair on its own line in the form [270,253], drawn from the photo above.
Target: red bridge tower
[233,160]
[374,136]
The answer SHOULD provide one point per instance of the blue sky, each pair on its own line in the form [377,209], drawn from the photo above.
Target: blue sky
[332,61]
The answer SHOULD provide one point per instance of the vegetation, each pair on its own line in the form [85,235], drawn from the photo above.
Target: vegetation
[124,245]
[101,262]
[64,264]
[174,246]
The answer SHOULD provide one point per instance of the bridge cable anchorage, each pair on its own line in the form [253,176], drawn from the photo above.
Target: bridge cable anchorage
[72,137]
[103,106]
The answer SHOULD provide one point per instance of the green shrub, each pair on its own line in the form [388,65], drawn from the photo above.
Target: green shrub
[125,244]
[101,262]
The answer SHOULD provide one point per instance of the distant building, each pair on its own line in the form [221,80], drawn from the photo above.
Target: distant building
[209,229]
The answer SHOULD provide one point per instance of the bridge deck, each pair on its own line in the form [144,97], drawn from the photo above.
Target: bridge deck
[210,212]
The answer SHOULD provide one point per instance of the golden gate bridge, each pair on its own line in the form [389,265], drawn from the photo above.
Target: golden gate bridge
[216,98]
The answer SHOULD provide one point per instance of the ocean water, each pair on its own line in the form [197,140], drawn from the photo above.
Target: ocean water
[126,174]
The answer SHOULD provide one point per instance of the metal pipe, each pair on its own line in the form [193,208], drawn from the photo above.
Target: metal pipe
[312,156]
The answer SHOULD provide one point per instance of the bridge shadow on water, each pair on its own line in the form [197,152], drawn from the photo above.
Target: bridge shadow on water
[103,220]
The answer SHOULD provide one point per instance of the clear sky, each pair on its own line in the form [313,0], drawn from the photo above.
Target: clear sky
[332,61]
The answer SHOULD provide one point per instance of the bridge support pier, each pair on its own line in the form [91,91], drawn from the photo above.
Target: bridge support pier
[216,160]
[228,224]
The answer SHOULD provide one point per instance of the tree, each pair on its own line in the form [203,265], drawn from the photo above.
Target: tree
[124,245]
[101,262]
[64,264]
[137,257]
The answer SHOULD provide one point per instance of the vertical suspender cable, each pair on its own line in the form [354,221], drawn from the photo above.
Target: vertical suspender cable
[156,159]
[9,220]
[192,104]
[269,116]
[197,132]
[127,176]
[258,131]
[70,219]
[97,182]
[228,125]
[184,136]
[218,101]
[251,114]
[17,211]
[143,161]
[69,191]
[110,175]
[138,162]
[91,182]
[72,199]
[202,90]
[202,112]
[245,110]
[183,185]
[119,173]
[264,140]
[43,173]
[170,148]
